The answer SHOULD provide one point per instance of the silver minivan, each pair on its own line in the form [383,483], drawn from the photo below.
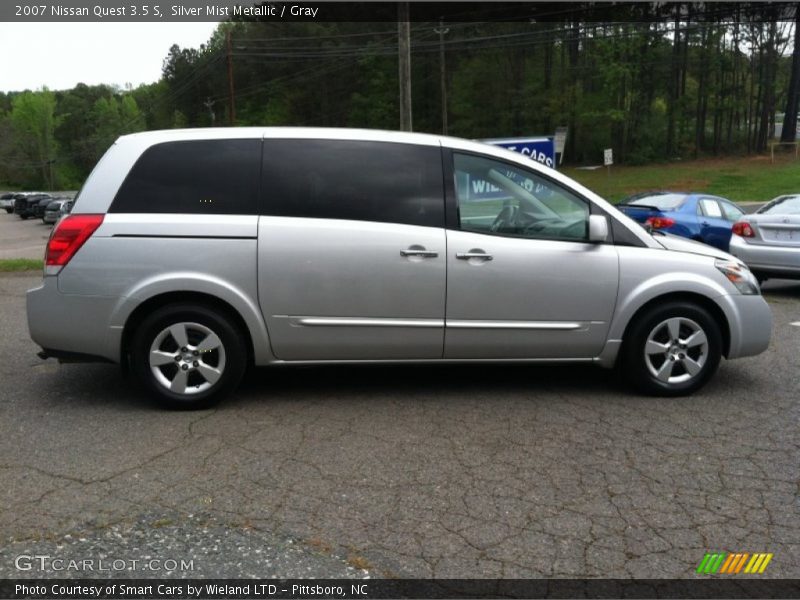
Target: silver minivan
[191,254]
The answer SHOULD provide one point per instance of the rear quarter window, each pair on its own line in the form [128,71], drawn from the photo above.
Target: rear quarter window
[355,180]
[194,177]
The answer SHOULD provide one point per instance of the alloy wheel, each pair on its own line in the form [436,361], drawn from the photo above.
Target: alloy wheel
[187,358]
[676,350]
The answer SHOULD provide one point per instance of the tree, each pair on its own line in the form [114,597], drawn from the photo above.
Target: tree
[33,122]
[789,131]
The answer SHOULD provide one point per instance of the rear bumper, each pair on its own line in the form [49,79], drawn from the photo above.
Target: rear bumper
[69,325]
[767,258]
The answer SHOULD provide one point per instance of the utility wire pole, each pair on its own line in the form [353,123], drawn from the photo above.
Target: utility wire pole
[231,96]
[441,30]
[404,60]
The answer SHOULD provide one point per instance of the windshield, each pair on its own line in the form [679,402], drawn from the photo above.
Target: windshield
[788,205]
[660,201]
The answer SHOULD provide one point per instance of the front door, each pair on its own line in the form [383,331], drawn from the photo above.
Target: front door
[523,281]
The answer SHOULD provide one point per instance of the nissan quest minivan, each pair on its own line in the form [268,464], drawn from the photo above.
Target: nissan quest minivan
[191,254]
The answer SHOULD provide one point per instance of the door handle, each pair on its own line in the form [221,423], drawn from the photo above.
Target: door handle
[419,252]
[468,255]
[705,223]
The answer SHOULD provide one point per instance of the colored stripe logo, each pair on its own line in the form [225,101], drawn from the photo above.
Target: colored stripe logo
[733,563]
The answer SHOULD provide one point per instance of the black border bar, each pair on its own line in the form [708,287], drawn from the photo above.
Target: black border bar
[366,589]
[602,11]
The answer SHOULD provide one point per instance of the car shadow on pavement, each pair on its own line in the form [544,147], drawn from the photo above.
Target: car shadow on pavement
[781,288]
[421,381]
[98,386]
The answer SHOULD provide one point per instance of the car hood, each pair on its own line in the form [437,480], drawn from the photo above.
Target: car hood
[681,244]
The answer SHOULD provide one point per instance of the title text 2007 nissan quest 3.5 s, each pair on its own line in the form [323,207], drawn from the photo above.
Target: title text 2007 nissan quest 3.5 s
[190,254]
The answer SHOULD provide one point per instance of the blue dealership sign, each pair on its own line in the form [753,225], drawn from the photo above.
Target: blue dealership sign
[540,149]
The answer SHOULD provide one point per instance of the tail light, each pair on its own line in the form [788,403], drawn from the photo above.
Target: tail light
[67,238]
[660,222]
[743,229]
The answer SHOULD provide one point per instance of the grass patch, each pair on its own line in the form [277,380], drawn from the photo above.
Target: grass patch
[742,179]
[320,545]
[10,265]
[159,523]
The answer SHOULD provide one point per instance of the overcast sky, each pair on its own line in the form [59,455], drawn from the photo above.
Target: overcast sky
[60,55]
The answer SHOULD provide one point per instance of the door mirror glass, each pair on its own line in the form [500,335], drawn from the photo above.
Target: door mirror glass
[506,199]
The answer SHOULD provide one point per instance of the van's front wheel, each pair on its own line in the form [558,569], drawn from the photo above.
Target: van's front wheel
[672,350]
[188,356]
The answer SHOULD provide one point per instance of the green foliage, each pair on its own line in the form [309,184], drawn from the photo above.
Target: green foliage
[631,85]
[179,120]
[33,124]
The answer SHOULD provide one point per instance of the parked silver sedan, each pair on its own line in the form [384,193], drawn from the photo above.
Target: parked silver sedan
[56,209]
[768,241]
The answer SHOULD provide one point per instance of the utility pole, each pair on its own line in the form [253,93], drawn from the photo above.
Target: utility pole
[209,104]
[441,30]
[231,97]
[404,60]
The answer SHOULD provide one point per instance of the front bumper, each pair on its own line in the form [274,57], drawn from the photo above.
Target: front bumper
[767,257]
[69,324]
[749,322]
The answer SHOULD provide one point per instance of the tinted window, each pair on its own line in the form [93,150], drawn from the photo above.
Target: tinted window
[502,198]
[196,177]
[660,201]
[363,181]
[732,213]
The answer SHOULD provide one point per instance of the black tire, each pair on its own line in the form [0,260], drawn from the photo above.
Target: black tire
[760,277]
[9,210]
[24,217]
[196,321]
[652,325]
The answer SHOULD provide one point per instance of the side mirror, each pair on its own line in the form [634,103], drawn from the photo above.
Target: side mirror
[598,228]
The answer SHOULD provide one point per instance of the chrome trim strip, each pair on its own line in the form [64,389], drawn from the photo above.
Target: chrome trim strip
[364,322]
[434,323]
[542,325]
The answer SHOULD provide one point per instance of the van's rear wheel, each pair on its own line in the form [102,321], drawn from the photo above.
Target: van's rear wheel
[672,350]
[188,356]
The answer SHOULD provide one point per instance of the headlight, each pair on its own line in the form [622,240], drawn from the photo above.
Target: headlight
[739,275]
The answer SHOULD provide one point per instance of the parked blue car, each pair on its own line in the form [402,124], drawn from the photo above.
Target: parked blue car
[701,217]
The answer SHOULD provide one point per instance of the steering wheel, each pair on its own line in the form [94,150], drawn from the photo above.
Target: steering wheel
[506,217]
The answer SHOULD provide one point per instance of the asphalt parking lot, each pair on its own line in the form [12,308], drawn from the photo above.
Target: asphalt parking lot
[22,239]
[479,471]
